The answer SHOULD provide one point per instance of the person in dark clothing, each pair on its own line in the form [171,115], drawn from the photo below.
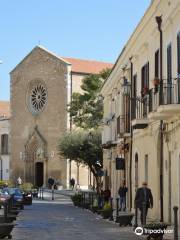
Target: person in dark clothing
[50,182]
[106,195]
[122,195]
[72,183]
[143,197]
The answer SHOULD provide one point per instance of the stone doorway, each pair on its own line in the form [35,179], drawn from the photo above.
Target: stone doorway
[39,174]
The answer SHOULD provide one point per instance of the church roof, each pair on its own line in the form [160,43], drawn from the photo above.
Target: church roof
[77,65]
[87,66]
[4,109]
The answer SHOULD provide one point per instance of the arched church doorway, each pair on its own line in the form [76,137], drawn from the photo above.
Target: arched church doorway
[39,174]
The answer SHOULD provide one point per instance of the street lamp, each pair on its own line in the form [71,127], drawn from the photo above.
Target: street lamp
[126,87]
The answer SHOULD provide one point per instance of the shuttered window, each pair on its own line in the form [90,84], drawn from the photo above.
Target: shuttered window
[169,75]
[145,78]
[118,125]
[169,64]
[134,95]
[178,53]
[156,74]
[4,144]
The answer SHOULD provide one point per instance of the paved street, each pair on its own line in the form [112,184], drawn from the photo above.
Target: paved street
[59,219]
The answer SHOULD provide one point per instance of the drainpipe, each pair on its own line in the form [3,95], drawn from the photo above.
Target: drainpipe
[70,165]
[159,22]
[131,139]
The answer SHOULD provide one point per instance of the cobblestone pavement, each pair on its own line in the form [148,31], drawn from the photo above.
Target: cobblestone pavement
[60,220]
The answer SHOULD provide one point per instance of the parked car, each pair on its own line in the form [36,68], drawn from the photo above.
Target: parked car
[17,196]
[4,196]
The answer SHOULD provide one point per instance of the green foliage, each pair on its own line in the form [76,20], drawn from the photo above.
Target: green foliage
[107,207]
[26,187]
[76,199]
[4,183]
[82,148]
[86,109]
[106,211]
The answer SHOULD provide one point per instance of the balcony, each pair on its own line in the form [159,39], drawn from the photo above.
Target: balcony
[123,126]
[164,103]
[139,112]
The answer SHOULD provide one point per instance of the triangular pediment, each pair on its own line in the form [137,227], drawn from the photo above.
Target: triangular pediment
[44,50]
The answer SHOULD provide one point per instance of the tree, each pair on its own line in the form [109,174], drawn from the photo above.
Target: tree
[84,148]
[86,109]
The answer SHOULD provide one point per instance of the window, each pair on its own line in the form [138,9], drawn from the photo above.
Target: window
[169,74]
[146,168]
[118,125]
[169,64]
[145,79]
[136,171]
[156,67]
[4,144]
[178,54]
[134,95]
[178,64]
[145,87]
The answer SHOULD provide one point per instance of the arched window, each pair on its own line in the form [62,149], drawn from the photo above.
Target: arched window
[136,171]
[4,144]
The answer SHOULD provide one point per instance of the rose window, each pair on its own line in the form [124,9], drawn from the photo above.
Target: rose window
[38,97]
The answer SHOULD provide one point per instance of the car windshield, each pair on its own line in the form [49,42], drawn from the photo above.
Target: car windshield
[11,191]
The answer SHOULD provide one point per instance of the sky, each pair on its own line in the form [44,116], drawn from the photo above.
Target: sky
[87,29]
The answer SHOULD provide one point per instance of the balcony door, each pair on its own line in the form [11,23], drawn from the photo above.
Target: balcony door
[145,87]
[178,65]
[169,75]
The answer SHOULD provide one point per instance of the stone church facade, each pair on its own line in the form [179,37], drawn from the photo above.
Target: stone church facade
[41,88]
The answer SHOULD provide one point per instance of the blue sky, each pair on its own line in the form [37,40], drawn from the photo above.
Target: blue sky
[88,29]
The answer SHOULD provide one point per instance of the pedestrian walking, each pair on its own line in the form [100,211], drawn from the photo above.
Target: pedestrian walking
[50,182]
[19,181]
[122,196]
[143,200]
[72,183]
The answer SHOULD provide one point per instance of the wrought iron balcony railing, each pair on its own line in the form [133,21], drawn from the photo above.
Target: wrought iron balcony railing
[167,93]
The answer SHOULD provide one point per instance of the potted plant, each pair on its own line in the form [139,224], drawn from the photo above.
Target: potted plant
[155,230]
[106,211]
[156,81]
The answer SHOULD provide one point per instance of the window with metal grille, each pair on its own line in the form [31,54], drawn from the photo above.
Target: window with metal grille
[4,144]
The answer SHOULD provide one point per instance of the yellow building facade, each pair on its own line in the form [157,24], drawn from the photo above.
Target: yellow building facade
[142,111]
